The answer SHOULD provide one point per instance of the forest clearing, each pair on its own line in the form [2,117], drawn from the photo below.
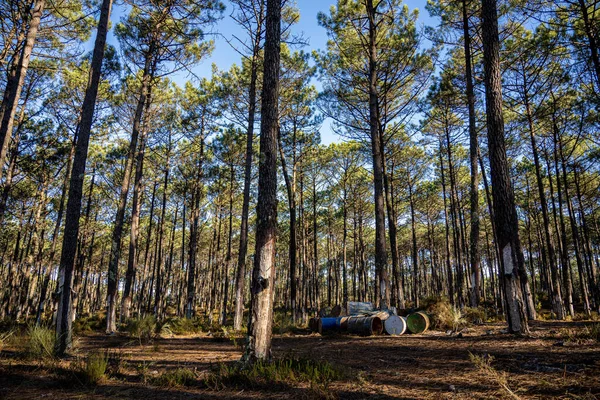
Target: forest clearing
[299,199]
[485,363]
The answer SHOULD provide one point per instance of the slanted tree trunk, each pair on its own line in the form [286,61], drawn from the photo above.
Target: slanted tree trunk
[505,214]
[73,211]
[14,84]
[263,274]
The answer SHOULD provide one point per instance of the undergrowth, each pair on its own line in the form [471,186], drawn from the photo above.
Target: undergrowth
[262,374]
[175,377]
[484,364]
[145,329]
[582,334]
[94,369]
[4,338]
[40,342]
[445,316]
[88,324]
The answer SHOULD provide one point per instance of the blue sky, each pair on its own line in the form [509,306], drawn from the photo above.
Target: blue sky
[224,56]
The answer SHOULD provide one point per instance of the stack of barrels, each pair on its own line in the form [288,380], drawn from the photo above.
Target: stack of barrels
[364,320]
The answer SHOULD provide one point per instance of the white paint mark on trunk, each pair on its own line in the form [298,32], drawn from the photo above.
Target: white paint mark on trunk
[507,259]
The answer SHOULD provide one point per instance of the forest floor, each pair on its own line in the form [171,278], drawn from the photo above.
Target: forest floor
[555,361]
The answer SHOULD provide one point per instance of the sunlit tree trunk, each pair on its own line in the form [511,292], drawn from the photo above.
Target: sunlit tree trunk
[505,214]
[67,259]
[263,274]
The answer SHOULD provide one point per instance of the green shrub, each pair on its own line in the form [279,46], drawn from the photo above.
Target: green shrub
[40,342]
[174,378]
[143,329]
[283,323]
[281,371]
[88,324]
[95,367]
[443,314]
[185,326]
[593,331]
[475,315]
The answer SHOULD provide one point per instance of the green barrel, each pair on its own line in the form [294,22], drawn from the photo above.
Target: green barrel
[417,322]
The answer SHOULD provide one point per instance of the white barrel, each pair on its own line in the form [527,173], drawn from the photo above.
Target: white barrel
[394,325]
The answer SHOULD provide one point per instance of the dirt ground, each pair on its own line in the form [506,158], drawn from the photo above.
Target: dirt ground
[433,365]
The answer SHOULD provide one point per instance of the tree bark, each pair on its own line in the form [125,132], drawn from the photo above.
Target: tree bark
[263,274]
[473,151]
[505,214]
[380,248]
[73,211]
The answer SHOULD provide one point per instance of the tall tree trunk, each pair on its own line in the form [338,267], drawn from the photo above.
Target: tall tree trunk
[505,214]
[135,229]
[67,258]
[14,84]
[229,239]
[447,228]
[190,308]
[574,233]
[473,151]
[566,265]
[380,250]
[557,303]
[117,233]
[414,249]
[292,249]
[240,281]
[263,274]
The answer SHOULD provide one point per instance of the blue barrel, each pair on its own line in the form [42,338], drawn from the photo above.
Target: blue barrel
[329,324]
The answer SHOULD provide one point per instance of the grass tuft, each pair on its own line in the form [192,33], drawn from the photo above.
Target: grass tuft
[174,378]
[95,367]
[263,374]
[582,334]
[443,314]
[40,342]
[4,338]
[143,329]
[484,364]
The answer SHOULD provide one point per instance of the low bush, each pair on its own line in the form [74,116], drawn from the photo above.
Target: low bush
[40,342]
[88,324]
[94,369]
[581,334]
[185,326]
[277,372]
[175,377]
[143,329]
[475,315]
[443,315]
